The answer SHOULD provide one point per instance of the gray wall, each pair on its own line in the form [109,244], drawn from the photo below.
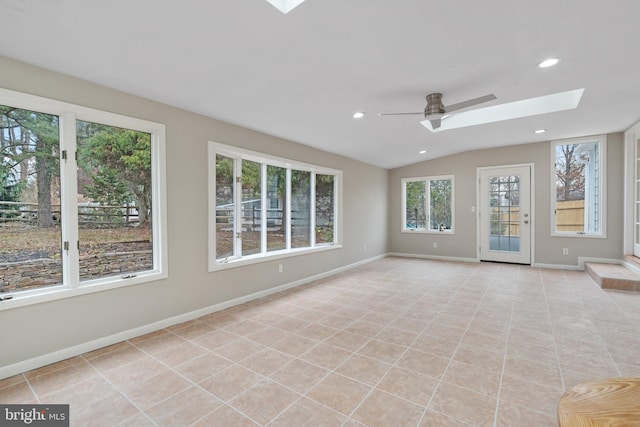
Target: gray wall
[39,329]
[548,249]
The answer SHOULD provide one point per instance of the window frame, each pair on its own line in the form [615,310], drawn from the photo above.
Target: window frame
[68,114]
[239,154]
[601,140]
[427,180]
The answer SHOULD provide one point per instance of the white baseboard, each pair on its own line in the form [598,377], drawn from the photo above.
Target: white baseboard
[434,257]
[557,266]
[57,356]
[579,267]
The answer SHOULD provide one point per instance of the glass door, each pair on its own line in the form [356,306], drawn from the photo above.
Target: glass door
[505,217]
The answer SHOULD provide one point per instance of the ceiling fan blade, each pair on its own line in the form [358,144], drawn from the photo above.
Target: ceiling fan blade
[436,123]
[401,114]
[470,103]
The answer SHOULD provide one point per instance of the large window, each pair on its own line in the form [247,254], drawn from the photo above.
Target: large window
[263,206]
[427,204]
[81,199]
[578,181]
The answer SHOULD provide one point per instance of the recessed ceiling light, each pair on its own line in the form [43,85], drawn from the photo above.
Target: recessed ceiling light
[540,131]
[358,115]
[550,62]
[423,152]
[285,6]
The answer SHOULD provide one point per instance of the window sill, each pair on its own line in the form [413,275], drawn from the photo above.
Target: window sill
[417,231]
[580,235]
[258,258]
[57,292]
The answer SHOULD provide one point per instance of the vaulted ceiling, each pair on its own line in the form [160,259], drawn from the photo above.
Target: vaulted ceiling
[303,74]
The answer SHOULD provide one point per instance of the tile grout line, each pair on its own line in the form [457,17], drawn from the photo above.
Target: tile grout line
[194,384]
[504,362]
[301,395]
[600,334]
[24,376]
[424,413]
[120,392]
[334,370]
[268,377]
[394,364]
[353,352]
[555,338]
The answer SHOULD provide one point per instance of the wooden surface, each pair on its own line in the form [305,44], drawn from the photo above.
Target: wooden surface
[611,402]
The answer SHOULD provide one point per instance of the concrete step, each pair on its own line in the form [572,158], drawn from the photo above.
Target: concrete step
[614,276]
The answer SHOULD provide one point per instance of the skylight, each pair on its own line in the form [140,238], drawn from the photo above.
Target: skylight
[511,110]
[285,6]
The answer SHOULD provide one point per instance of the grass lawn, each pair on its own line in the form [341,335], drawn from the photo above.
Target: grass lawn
[25,238]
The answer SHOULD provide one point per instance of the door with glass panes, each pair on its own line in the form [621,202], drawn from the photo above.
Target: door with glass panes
[505,214]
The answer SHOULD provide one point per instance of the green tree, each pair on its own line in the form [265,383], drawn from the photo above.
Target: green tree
[9,192]
[415,198]
[119,162]
[29,144]
[251,176]
[440,204]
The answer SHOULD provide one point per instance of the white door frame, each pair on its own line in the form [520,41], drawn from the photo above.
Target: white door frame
[532,222]
[631,175]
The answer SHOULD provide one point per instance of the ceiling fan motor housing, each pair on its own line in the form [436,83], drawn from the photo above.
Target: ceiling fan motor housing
[434,105]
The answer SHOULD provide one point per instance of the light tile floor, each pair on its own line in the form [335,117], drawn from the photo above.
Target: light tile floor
[397,342]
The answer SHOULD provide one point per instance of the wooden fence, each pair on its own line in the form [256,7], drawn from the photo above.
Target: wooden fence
[569,217]
[88,215]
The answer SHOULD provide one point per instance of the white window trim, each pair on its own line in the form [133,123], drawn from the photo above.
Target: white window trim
[602,140]
[215,148]
[68,114]
[427,230]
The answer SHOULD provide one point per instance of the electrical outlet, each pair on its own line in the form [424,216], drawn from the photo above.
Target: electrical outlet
[364,247]
[435,244]
[565,251]
[280,269]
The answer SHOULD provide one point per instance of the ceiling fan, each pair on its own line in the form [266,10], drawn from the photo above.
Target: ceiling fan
[435,110]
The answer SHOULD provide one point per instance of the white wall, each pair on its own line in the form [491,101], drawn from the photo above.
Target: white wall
[34,333]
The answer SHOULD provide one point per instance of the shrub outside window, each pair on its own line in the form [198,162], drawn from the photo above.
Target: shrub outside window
[264,206]
[427,204]
[81,199]
[578,199]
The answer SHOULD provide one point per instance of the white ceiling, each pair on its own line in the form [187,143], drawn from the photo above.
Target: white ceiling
[302,75]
